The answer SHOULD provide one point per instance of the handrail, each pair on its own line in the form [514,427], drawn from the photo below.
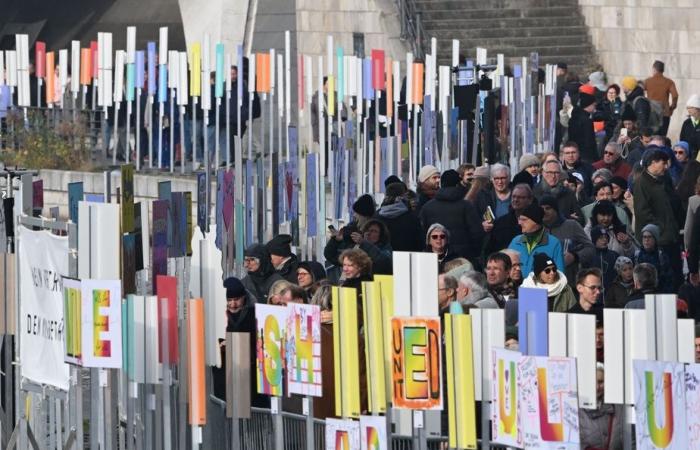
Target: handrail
[411,26]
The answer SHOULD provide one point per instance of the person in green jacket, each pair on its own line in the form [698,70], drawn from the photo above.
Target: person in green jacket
[545,275]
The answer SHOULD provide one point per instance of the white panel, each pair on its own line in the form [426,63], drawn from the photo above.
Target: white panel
[2,68]
[402,283]
[424,275]
[613,344]
[558,335]
[662,325]
[163,46]
[455,52]
[183,86]
[130,45]
[397,81]
[686,340]
[308,68]
[173,69]
[581,345]
[251,74]
[488,332]
[139,337]
[445,84]
[99,241]
[151,367]
[74,67]
[227,74]
[119,76]
[409,79]
[636,347]
[273,62]
[62,71]
[280,85]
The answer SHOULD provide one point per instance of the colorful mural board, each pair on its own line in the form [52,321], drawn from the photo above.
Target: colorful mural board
[505,426]
[303,350]
[101,323]
[271,327]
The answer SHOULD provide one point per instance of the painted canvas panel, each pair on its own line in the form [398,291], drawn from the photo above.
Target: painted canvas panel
[342,434]
[101,323]
[659,392]
[505,427]
[416,374]
[271,326]
[72,318]
[303,349]
[373,433]
[548,402]
[692,404]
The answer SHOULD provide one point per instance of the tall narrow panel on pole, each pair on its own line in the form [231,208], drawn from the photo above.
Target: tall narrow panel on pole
[461,409]
[195,362]
[376,321]
[345,352]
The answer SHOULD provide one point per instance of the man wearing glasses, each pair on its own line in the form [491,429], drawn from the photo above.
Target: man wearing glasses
[589,284]
[612,160]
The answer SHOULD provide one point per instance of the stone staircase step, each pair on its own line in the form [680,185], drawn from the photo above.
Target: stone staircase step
[462,5]
[514,42]
[439,12]
[500,33]
[455,23]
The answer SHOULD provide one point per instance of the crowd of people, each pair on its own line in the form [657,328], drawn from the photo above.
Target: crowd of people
[609,218]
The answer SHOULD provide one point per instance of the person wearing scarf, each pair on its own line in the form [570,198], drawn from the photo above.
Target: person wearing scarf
[261,274]
[545,275]
[619,292]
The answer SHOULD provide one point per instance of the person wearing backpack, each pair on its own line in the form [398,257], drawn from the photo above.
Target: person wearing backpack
[648,115]
[659,89]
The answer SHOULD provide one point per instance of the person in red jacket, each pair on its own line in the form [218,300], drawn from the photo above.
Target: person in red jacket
[613,161]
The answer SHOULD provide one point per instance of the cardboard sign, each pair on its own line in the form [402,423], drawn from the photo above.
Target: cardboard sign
[303,349]
[271,327]
[505,427]
[416,375]
[342,434]
[373,433]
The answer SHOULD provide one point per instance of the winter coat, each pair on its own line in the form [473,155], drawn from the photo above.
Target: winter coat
[504,230]
[560,296]
[547,244]
[659,259]
[404,227]
[259,282]
[486,198]
[625,249]
[619,168]
[694,244]
[690,133]
[288,271]
[574,240]
[617,295]
[641,108]
[612,112]
[652,205]
[584,169]
[605,260]
[596,424]
[581,132]
[380,254]
[566,199]
[460,218]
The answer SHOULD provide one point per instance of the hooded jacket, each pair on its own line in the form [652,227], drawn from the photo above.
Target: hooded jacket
[259,282]
[405,232]
[652,205]
[459,216]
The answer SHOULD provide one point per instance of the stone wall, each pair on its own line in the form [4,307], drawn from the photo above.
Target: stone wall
[630,34]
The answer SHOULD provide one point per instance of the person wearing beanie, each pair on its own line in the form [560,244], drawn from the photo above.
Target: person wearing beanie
[618,294]
[662,90]
[546,275]
[690,130]
[392,179]
[309,275]
[531,163]
[681,150]
[458,215]
[651,253]
[535,238]
[428,184]
[260,272]
[597,80]
[636,101]
[405,230]
[581,127]
[283,260]
[364,207]
[578,250]
[604,258]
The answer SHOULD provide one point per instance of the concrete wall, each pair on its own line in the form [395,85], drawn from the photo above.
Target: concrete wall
[630,34]
[223,20]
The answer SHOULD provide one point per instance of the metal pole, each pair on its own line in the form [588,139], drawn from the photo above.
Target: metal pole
[115,133]
[138,129]
[172,130]
[127,140]
[194,133]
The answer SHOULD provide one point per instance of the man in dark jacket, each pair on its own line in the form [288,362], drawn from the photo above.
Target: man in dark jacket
[405,231]
[690,131]
[428,184]
[571,162]
[551,184]
[504,229]
[284,261]
[459,216]
[581,127]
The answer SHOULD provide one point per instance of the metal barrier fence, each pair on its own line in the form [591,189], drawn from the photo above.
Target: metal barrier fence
[257,432]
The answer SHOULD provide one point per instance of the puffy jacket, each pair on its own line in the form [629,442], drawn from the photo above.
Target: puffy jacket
[547,244]
[652,205]
[405,232]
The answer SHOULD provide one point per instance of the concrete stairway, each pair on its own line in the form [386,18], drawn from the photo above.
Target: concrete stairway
[554,28]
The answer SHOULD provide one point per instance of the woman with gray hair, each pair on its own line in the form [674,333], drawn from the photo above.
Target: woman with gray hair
[617,295]
[437,240]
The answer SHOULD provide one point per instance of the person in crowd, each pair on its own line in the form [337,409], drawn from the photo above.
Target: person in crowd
[618,294]
[447,293]
[589,287]
[405,231]
[457,215]
[497,198]
[613,161]
[645,282]
[605,215]
[604,258]
[652,254]
[636,101]
[601,428]
[500,286]
[428,184]
[260,272]
[505,228]
[660,89]
[535,239]
[309,276]
[653,205]
[692,208]
[577,246]
[284,261]
[599,342]
[437,240]
[551,184]
[574,182]
[293,294]
[466,174]
[571,162]
[621,196]
[516,272]
[546,275]
[611,107]
[603,191]
[274,296]
[630,137]
[601,176]
[690,130]
[375,241]
[472,291]
[581,127]
[681,151]
[357,267]
[530,164]
[462,264]
[687,186]
[480,185]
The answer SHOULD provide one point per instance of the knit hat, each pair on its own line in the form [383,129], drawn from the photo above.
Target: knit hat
[522,177]
[364,206]
[693,101]
[234,288]
[653,153]
[597,79]
[585,100]
[391,179]
[629,83]
[314,268]
[621,262]
[596,232]
[280,245]
[549,200]
[619,181]
[562,65]
[427,172]
[534,213]
[628,114]
[449,178]
[396,189]
[541,262]
[604,207]
[653,229]
[528,160]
